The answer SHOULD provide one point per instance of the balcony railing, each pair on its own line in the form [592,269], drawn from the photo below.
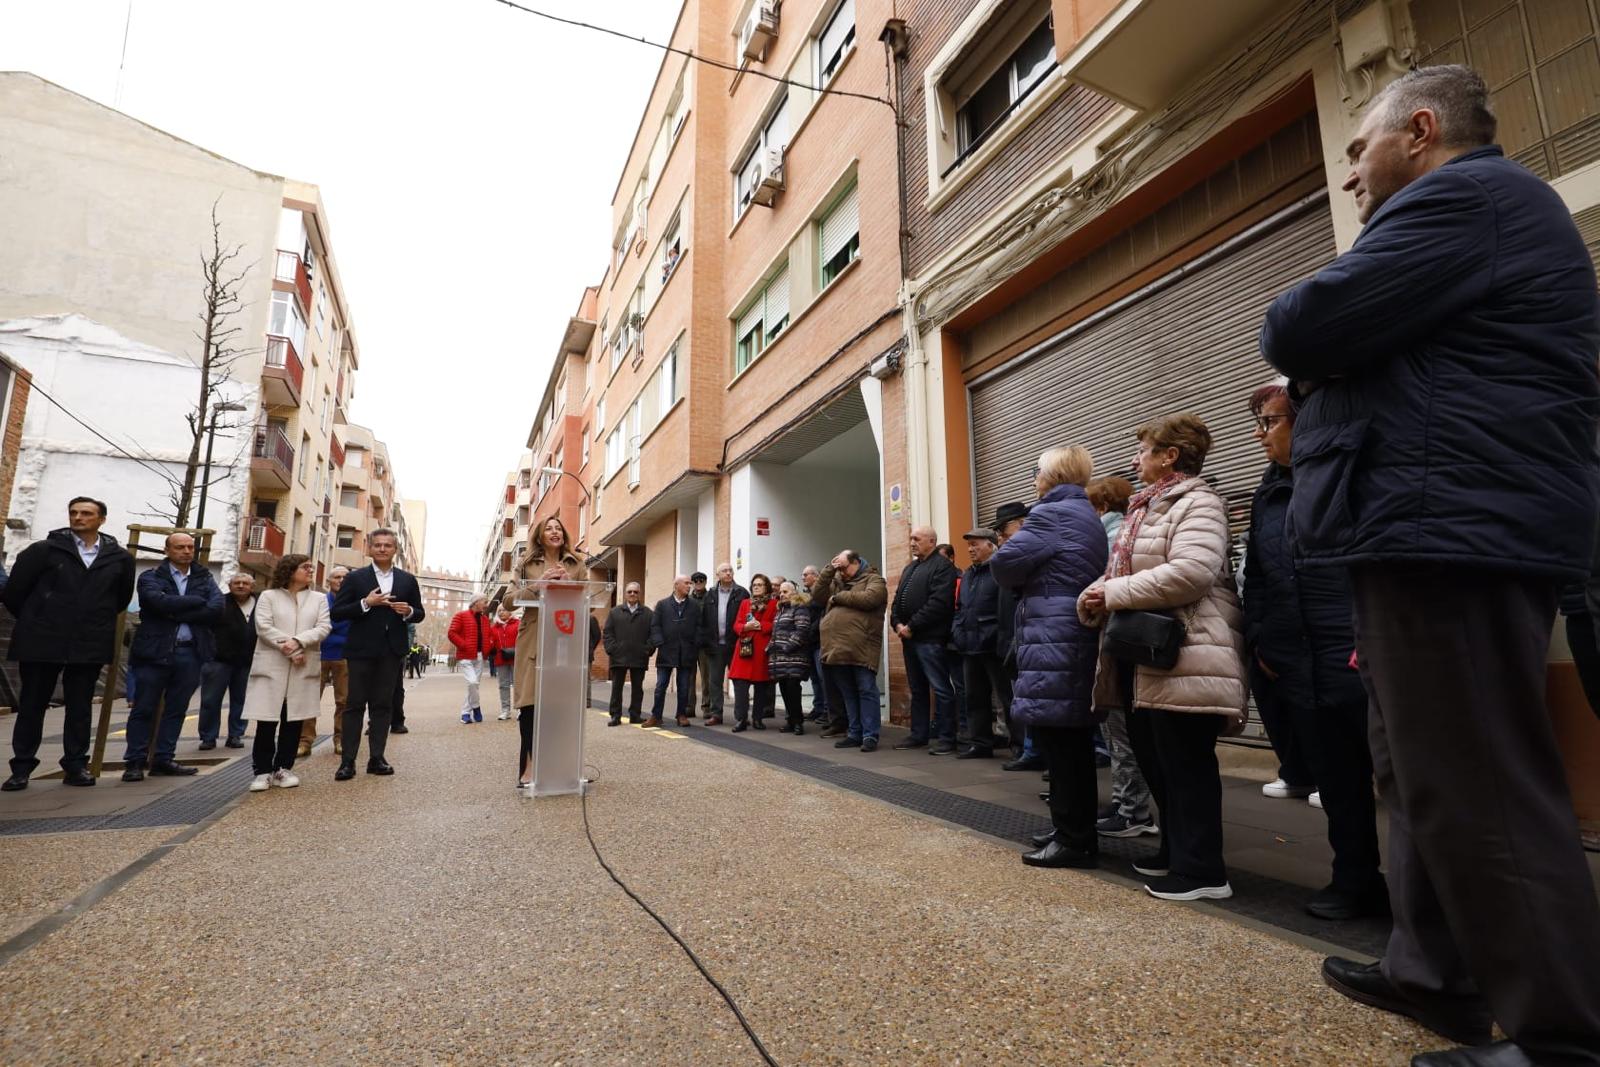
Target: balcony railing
[336,452]
[292,269]
[264,535]
[272,443]
[281,353]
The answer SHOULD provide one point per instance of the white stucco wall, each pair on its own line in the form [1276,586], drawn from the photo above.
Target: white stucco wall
[133,394]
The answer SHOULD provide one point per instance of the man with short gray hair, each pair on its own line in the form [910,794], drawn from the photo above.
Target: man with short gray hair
[1445,454]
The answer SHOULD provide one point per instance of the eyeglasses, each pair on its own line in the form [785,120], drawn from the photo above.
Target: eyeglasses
[1265,423]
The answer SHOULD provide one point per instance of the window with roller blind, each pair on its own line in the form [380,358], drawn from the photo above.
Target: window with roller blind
[839,236]
[759,324]
[835,41]
[774,134]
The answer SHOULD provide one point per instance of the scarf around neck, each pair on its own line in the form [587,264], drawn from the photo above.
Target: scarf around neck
[1121,562]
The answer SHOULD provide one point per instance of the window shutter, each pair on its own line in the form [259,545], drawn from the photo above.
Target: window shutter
[777,300]
[778,126]
[840,225]
[749,320]
[837,29]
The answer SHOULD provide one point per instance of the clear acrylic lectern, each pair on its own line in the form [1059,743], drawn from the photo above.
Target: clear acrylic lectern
[561,609]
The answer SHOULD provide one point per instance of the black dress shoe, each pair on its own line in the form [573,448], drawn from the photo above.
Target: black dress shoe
[379,766]
[233,742]
[634,720]
[910,742]
[1024,763]
[171,769]
[207,746]
[1366,984]
[740,727]
[346,771]
[400,728]
[1336,905]
[1055,854]
[760,724]
[14,783]
[1499,1054]
[1042,838]
[845,742]
[133,772]
[81,776]
[615,720]
[974,752]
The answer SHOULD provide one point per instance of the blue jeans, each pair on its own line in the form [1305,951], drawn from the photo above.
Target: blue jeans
[216,680]
[176,682]
[685,690]
[859,688]
[925,672]
[819,691]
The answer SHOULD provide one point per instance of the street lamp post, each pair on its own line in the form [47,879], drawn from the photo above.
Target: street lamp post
[211,442]
[559,473]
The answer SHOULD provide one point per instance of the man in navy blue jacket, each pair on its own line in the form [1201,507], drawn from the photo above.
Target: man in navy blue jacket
[179,603]
[1445,454]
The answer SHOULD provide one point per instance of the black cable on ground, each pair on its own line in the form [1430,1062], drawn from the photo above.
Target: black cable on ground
[699,966]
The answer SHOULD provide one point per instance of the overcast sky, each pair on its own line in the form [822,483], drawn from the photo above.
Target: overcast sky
[466,153]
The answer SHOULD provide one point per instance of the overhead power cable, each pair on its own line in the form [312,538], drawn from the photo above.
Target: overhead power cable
[695,56]
[166,476]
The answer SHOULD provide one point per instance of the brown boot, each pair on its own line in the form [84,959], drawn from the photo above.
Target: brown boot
[650,723]
[338,745]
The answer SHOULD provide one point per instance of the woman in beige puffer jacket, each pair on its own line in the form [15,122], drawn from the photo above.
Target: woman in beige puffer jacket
[1172,556]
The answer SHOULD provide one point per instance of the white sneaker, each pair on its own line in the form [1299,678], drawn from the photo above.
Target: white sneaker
[285,779]
[1278,789]
[504,715]
[260,782]
[1315,800]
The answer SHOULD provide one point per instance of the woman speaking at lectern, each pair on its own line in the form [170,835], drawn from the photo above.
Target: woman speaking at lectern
[550,557]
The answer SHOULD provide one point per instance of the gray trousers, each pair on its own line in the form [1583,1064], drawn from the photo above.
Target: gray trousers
[1494,908]
[1129,793]
[704,671]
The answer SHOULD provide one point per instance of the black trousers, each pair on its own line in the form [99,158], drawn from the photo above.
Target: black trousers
[985,676]
[1494,907]
[620,675]
[371,685]
[397,710]
[1291,741]
[38,686]
[276,743]
[1074,788]
[525,732]
[764,700]
[1586,655]
[793,700]
[1177,754]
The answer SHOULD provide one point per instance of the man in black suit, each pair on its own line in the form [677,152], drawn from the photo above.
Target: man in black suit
[677,633]
[378,601]
[627,640]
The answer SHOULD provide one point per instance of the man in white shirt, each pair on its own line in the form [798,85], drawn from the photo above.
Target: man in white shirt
[379,601]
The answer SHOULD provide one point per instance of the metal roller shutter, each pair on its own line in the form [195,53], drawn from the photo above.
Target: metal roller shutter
[1186,342]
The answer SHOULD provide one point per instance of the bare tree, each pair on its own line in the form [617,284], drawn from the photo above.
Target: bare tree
[223,279]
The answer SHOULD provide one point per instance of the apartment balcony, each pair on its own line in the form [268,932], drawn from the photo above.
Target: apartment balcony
[272,458]
[292,269]
[263,545]
[354,518]
[283,375]
[1142,52]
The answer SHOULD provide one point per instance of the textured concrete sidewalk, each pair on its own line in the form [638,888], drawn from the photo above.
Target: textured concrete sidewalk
[436,917]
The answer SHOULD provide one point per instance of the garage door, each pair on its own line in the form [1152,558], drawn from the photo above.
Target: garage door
[1187,342]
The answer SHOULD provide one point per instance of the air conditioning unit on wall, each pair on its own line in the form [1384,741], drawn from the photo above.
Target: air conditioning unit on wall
[770,182]
[760,30]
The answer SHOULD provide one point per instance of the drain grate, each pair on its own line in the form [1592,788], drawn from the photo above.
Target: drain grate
[183,806]
[1255,896]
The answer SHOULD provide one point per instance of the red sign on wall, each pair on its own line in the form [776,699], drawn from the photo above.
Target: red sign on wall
[763,528]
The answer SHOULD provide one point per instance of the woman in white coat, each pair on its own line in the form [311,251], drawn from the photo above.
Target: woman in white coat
[291,621]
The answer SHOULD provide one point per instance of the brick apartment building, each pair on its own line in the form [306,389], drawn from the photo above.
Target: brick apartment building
[818,327]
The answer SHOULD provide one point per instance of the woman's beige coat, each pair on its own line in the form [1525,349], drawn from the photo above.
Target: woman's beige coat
[524,674]
[1180,564]
[281,615]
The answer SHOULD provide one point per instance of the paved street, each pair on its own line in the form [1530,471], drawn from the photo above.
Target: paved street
[438,917]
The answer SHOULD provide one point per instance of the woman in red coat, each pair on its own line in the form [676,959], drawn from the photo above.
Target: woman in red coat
[749,667]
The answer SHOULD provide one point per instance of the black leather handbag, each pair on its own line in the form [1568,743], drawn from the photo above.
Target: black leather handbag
[1146,638]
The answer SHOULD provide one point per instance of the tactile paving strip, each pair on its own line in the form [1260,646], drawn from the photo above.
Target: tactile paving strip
[1257,897]
[183,806]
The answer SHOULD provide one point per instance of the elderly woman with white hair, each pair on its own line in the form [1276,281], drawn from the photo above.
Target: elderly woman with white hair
[1058,553]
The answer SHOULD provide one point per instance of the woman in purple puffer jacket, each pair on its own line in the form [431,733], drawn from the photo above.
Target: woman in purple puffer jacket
[1059,551]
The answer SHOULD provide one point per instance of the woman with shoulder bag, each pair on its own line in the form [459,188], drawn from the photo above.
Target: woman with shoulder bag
[753,626]
[286,674]
[789,652]
[1173,654]
[1049,561]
